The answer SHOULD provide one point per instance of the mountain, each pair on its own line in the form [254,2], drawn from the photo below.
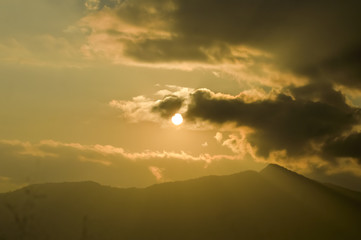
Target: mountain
[272,204]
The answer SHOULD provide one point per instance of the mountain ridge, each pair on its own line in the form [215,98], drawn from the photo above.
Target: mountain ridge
[275,203]
[269,168]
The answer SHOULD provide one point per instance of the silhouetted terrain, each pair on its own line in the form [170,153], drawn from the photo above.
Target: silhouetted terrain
[272,204]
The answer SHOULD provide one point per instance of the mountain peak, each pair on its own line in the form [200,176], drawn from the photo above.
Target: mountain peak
[272,167]
[276,171]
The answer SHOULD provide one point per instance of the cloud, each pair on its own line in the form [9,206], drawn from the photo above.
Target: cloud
[344,147]
[170,100]
[290,123]
[168,106]
[165,103]
[51,161]
[236,144]
[138,109]
[269,43]
[92,4]
[156,34]
[314,121]
[157,172]
[264,41]
[218,136]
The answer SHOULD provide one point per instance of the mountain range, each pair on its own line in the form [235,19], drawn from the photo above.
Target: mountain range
[274,203]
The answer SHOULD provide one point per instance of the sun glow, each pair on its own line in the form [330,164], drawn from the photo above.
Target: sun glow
[177,119]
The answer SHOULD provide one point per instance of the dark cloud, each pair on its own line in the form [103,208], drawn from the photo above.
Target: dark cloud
[283,123]
[346,147]
[150,13]
[318,39]
[343,69]
[161,50]
[320,92]
[168,106]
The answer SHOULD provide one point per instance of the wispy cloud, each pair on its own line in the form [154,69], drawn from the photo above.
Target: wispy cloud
[92,5]
[49,161]
[157,172]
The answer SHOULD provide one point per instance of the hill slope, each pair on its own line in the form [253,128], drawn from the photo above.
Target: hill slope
[273,204]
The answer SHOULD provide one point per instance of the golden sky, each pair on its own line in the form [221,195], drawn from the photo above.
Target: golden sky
[88,89]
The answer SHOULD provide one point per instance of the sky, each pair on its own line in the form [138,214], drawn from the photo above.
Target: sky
[88,89]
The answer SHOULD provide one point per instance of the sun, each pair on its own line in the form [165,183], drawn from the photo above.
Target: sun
[177,119]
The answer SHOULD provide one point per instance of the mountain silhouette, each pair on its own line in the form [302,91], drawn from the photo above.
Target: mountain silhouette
[274,203]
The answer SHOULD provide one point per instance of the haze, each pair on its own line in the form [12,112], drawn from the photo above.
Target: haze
[88,89]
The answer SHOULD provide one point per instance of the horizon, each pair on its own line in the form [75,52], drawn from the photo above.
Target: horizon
[267,167]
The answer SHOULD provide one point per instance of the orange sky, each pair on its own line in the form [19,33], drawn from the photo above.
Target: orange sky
[88,89]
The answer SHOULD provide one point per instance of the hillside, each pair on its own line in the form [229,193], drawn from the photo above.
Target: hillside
[272,204]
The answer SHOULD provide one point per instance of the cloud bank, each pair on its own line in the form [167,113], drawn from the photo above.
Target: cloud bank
[312,121]
[261,40]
